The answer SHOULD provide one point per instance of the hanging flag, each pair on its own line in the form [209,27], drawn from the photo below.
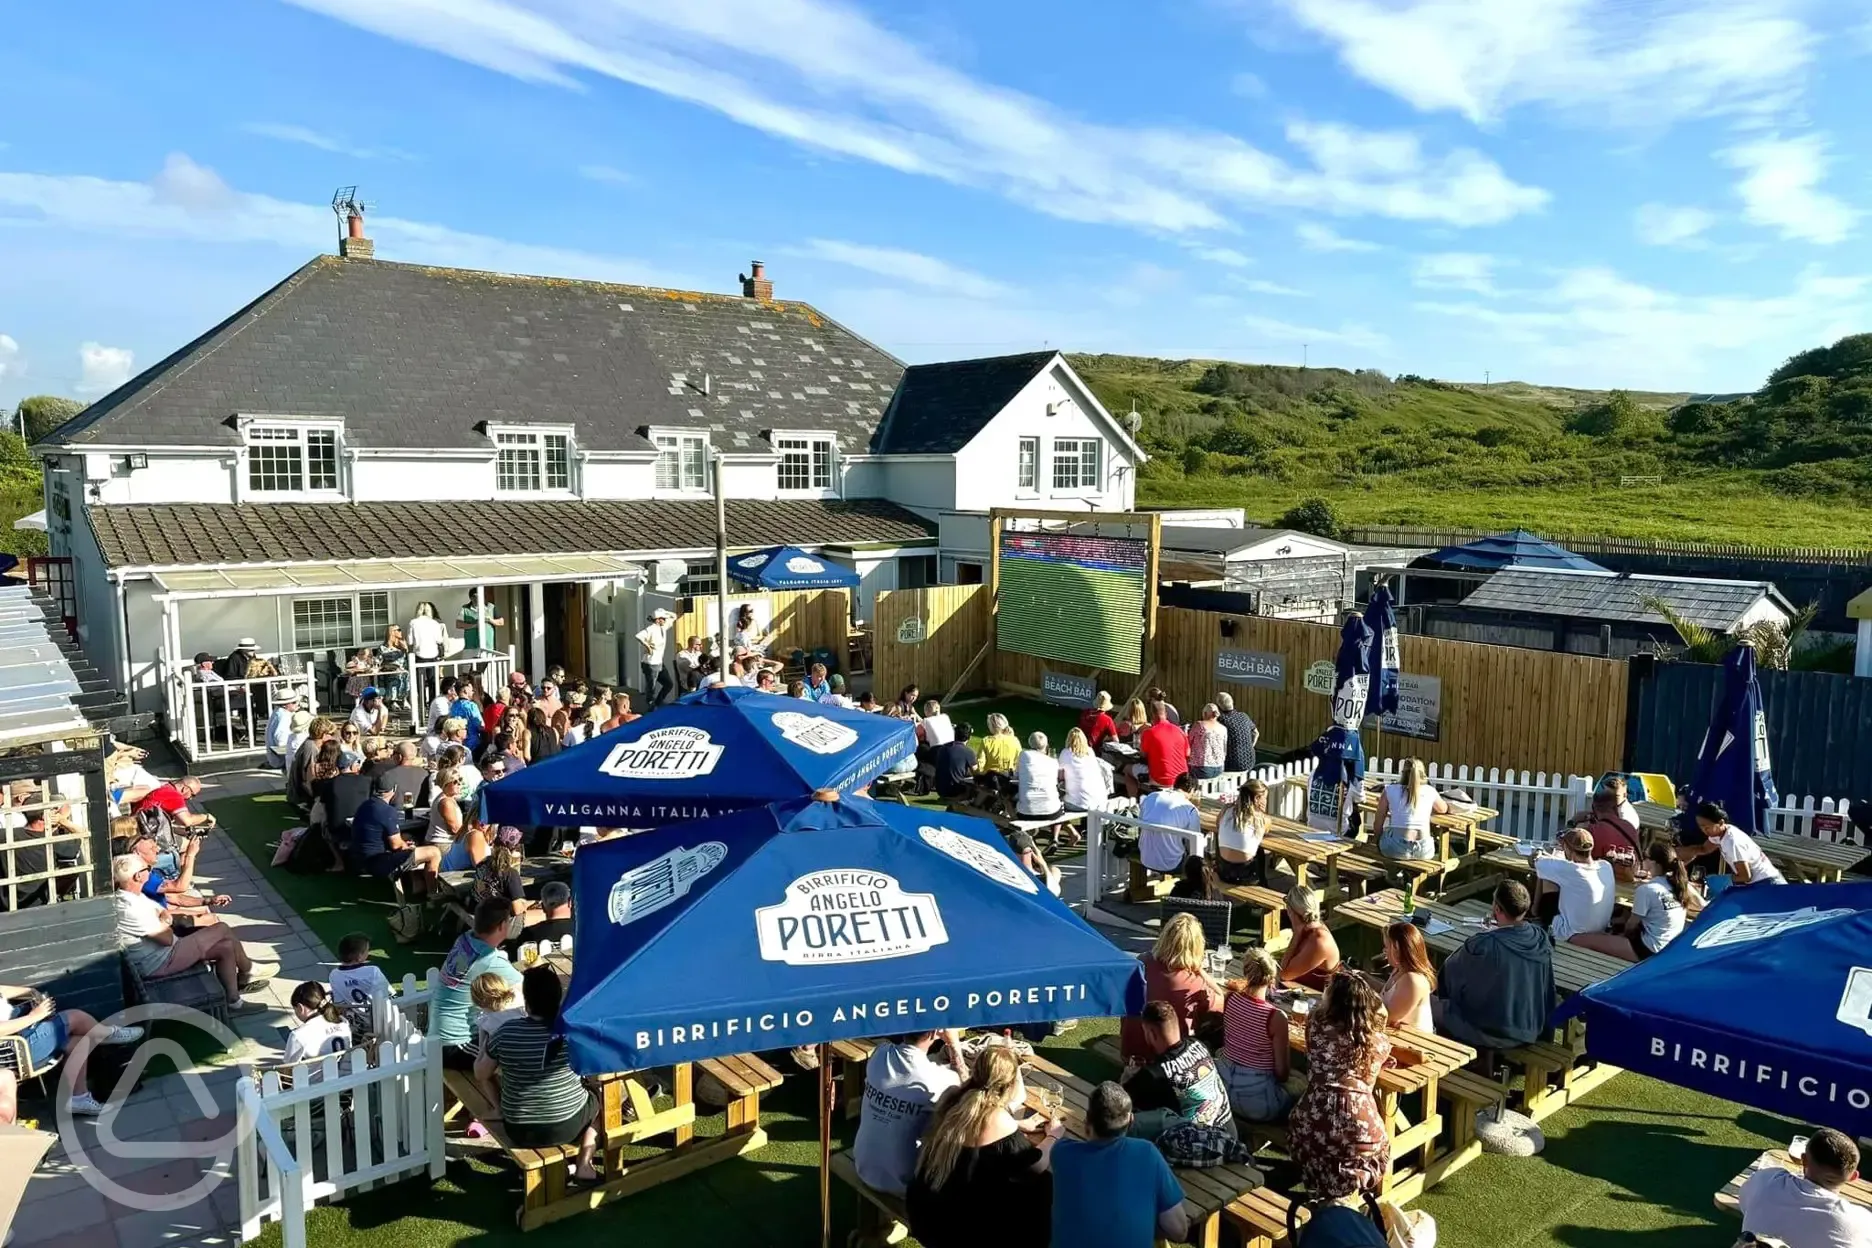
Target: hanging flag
[1733,766]
[1381,618]
[1339,751]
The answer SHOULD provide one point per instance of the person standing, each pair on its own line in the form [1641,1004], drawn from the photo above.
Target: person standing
[652,651]
[1242,735]
[1165,747]
[478,625]
[279,729]
[1208,744]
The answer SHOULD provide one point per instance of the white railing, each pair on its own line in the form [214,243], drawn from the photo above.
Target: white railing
[489,667]
[228,718]
[381,1122]
[1534,805]
[1794,816]
[1101,866]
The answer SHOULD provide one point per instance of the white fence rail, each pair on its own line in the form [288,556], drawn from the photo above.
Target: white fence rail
[347,1122]
[489,667]
[228,718]
[1795,816]
[1534,805]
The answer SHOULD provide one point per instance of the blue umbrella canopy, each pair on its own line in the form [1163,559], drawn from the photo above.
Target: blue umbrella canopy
[1339,751]
[1764,1000]
[1732,763]
[810,921]
[1383,661]
[717,751]
[789,567]
[1516,548]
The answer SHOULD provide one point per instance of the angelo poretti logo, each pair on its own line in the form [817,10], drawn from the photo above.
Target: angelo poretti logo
[675,753]
[848,915]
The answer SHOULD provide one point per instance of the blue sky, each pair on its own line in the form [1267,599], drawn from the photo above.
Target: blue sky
[1665,194]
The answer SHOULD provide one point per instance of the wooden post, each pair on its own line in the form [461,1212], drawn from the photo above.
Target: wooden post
[825,1147]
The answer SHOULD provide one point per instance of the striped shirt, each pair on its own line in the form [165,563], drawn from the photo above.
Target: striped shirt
[534,1090]
[1245,1022]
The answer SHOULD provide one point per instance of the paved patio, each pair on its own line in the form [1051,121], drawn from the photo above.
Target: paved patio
[162,1140]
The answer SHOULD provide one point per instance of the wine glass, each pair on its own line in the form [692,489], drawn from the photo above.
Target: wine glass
[1052,1097]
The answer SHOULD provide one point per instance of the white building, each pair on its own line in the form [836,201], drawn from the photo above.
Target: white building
[366,436]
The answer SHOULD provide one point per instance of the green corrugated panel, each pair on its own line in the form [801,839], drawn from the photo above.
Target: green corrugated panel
[1071,613]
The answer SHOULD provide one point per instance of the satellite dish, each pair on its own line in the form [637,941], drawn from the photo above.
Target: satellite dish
[1134,419]
[669,575]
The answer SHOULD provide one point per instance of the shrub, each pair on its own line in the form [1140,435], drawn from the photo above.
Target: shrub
[1315,516]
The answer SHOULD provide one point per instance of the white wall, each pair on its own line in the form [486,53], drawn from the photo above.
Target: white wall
[614,479]
[876,571]
[987,469]
[181,478]
[929,484]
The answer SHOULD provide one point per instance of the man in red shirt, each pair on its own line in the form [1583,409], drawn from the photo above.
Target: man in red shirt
[173,799]
[1166,749]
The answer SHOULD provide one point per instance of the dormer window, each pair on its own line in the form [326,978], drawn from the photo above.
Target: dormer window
[806,462]
[291,458]
[682,460]
[531,460]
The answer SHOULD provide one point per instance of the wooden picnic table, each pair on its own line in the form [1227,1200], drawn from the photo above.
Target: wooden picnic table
[1859,1191]
[1808,860]
[1293,843]
[1519,864]
[1206,1192]
[1574,968]
[1464,818]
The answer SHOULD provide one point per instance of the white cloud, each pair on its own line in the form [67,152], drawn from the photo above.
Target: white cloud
[102,369]
[1646,63]
[1671,225]
[305,136]
[1358,337]
[1316,237]
[190,201]
[605,174]
[9,355]
[1780,188]
[1456,270]
[1260,287]
[823,75]
[1227,257]
[1594,327]
[908,266]
[1249,86]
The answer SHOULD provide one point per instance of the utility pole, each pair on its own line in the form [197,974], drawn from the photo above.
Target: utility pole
[721,562]
[1304,356]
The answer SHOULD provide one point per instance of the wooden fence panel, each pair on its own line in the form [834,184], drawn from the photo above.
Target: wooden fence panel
[803,619]
[953,623]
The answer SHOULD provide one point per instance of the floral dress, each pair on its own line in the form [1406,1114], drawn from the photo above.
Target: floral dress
[1335,1130]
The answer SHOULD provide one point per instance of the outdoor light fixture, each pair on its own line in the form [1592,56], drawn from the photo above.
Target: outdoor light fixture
[1228,627]
[136,460]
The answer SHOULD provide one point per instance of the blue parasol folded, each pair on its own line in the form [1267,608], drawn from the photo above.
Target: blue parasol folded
[1339,751]
[1732,764]
[789,567]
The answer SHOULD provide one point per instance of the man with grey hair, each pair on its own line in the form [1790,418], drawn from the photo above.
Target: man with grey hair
[1114,1188]
[1242,735]
[407,776]
[555,907]
[151,945]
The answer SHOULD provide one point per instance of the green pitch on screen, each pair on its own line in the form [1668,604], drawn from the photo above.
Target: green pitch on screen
[1071,610]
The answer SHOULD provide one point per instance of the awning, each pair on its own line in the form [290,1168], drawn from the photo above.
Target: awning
[35,522]
[37,685]
[250,581]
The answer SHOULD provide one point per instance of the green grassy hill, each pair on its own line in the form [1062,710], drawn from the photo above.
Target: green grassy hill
[1789,465]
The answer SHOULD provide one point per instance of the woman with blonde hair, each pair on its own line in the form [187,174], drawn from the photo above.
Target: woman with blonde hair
[1256,1056]
[1404,811]
[1088,778]
[1312,956]
[1413,979]
[1335,1130]
[1208,743]
[978,1179]
[1239,831]
[1173,972]
[1134,720]
[1000,748]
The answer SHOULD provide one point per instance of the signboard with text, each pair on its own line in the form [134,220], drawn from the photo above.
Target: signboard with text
[1260,668]
[1319,678]
[1419,709]
[1065,689]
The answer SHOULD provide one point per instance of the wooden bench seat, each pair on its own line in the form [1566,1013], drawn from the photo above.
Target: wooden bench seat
[1260,1218]
[879,1213]
[1269,907]
[745,1077]
[468,1094]
[851,1056]
[1553,1076]
[1469,1093]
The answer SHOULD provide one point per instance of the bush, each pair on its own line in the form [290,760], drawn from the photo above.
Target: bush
[1494,435]
[1315,516]
[1616,414]
[1195,460]
[1695,418]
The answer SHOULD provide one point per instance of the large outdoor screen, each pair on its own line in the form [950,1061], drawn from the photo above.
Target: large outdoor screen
[1073,599]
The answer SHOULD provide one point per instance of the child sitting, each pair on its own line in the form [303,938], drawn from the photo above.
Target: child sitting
[494,997]
[357,981]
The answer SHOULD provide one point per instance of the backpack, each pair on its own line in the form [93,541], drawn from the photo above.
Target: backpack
[406,922]
[311,854]
[1336,1226]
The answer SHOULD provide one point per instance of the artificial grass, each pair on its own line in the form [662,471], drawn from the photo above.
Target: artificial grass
[1636,1156]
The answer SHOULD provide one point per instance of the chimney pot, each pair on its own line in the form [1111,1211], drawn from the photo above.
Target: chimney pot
[354,246]
[755,285]
[355,225]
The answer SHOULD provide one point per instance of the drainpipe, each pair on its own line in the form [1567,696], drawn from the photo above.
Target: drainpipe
[120,624]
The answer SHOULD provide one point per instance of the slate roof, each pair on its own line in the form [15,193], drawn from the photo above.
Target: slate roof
[939,407]
[414,356]
[180,534]
[1714,604]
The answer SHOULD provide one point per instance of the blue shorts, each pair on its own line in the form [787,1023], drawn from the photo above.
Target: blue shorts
[46,1039]
[457,858]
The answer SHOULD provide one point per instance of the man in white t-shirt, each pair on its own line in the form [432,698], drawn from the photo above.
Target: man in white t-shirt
[1167,808]
[652,645]
[1805,1210]
[901,1087]
[1742,858]
[1587,888]
[935,728]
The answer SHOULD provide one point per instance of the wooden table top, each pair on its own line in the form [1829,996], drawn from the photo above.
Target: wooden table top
[1418,1056]
[1205,1192]
[1809,851]
[1287,839]
[1859,1191]
[1574,968]
[1457,818]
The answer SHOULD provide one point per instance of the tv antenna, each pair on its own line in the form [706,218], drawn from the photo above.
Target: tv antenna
[346,206]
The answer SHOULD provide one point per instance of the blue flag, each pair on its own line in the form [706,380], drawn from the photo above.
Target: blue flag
[1732,765]
[1381,618]
[1339,751]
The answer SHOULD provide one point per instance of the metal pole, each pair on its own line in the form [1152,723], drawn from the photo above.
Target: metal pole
[480,601]
[721,565]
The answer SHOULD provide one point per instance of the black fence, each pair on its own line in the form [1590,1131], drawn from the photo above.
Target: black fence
[1819,725]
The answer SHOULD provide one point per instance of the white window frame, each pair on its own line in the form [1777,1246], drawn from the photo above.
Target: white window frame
[811,443]
[260,431]
[521,437]
[681,437]
[353,636]
[1026,470]
[1059,457]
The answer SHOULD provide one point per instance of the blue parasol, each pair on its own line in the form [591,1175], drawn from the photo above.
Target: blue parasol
[1732,764]
[714,752]
[810,921]
[1516,548]
[1381,618]
[1340,752]
[789,567]
[1764,1000]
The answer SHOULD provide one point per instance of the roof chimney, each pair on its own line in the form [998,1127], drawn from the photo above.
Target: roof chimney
[757,286]
[352,244]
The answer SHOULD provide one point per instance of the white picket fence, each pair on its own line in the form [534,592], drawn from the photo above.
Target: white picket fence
[1794,816]
[1534,805]
[381,1117]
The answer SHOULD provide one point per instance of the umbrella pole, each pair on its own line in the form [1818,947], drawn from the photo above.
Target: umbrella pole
[825,1147]
[721,567]
[1340,819]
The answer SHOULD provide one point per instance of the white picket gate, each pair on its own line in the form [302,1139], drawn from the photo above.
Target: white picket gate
[1794,816]
[381,1117]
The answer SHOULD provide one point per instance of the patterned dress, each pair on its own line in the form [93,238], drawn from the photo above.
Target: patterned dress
[1336,1131]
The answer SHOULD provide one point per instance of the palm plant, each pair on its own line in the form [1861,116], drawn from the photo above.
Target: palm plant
[1774,643]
